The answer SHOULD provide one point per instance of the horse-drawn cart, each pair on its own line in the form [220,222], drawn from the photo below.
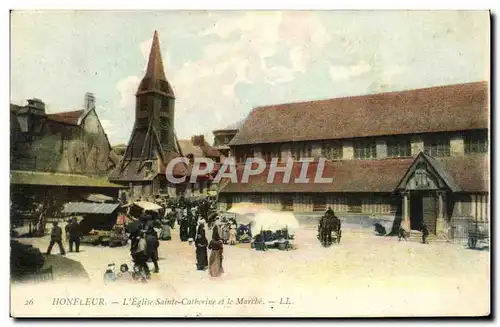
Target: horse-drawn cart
[478,232]
[327,226]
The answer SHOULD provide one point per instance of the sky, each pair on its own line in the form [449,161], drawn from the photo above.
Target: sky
[222,64]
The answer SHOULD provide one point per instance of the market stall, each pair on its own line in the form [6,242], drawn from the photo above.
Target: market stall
[273,229]
[98,221]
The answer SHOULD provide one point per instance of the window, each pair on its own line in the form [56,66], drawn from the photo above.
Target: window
[270,152]
[287,203]
[476,142]
[267,155]
[256,199]
[354,204]
[319,203]
[398,147]
[165,102]
[145,102]
[332,150]
[365,149]
[164,123]
[229,202]
[302,151]
[249,153]
[437,146]
[164,86]
[146,84]
[142,122]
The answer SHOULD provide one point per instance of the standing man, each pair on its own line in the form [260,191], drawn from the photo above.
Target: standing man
[56,237]
[74,235]
[140,255]
[152,245]
[425,233]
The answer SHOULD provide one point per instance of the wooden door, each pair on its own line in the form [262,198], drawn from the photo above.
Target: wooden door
[430,212]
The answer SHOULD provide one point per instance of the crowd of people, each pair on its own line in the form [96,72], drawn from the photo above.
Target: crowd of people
[193,217]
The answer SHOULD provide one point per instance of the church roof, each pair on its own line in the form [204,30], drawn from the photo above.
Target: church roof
[155,63]
[436,109]
[154,79]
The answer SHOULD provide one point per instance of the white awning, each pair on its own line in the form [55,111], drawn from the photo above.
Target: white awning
[148,205]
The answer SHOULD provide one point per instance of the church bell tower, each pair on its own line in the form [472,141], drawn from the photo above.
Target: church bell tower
[155,100]
[153,143]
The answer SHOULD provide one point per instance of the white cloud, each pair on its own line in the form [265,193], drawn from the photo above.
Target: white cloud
[207,86]
[343,73]
[127,88]
[107,125]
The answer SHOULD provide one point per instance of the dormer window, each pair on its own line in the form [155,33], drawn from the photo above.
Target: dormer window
[146,84]
[148,166]
[164,86]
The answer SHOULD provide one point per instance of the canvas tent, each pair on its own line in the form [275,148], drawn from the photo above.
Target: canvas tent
[244,212]
[274,220]
[148,205]
[244,208]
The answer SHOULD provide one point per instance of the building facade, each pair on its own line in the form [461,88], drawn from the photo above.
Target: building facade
[412,156]
[222,138]
[72,142]
[59,157]
[193,148]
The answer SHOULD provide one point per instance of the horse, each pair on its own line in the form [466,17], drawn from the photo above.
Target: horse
[325,231]
[336,227]
[327,225]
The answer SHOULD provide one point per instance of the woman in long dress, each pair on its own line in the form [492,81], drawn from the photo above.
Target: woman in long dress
[201,244]
[225,233]
[232,235]
[215,261]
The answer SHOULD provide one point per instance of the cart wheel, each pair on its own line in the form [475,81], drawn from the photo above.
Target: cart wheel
[472,242]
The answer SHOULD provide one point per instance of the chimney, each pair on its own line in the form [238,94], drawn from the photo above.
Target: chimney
[36,104]
[198,140]
[89,101]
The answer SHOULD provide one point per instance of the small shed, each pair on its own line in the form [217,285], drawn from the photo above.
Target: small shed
[98,216]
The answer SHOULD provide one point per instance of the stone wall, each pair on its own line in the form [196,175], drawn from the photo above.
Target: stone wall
[373,204]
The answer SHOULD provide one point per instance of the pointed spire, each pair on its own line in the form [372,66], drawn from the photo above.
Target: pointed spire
[155,69]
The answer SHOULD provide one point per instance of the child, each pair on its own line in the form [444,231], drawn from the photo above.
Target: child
[109,275]
[124,274]
[139,274]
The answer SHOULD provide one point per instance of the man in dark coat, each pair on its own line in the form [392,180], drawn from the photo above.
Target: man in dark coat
[74,235]
[183,229]
[425,233]
[152,245]
[56,237]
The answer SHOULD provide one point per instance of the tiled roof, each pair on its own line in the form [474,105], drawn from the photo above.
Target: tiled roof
[90,208]
[470,173]
[67,117]
[436,109]
[57,179]
[206,150]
